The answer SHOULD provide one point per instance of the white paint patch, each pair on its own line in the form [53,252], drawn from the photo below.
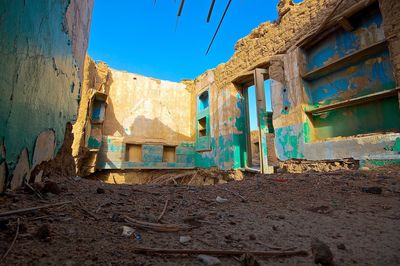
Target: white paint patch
[21,172]
[44,148]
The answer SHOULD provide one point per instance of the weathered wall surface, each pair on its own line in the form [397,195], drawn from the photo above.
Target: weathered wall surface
[97,79]
[139,107]
[226,115]
[274,46]
[361,130]
[42,46]
[227,102]
[130,121]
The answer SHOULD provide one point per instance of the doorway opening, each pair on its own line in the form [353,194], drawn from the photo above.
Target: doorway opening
[253,129]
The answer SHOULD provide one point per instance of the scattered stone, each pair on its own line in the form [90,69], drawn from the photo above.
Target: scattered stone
[43,233]
[248,260]
[372,190]
[117,218]
[341,246]
[364,168]
[184,239]
[209,260]
[100,190]
[127,231]
[50,195]
[252,237]
[275,228]
[51,187]
[220,200]
[321,252]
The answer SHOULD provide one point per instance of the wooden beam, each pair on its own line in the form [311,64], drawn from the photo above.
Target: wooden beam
[345,24]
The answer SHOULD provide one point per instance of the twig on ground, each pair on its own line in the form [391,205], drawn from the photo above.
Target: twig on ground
[191,179]
[33,208]
[154,251]
[86,210]
[102,205]
[163,211]
[275,248]
[156,226]
[12,243]
[234,193]
[37,193]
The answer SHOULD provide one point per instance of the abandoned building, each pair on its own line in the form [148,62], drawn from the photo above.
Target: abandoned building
[334,72]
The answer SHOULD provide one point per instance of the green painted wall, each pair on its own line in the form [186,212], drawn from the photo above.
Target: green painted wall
[378,116]
[39,82]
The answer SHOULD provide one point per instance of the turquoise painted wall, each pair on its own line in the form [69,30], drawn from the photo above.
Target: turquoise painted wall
[39,82]
[310,136]
[226,151]
[112,156]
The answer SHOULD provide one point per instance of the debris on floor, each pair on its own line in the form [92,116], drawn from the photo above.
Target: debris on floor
[277,219]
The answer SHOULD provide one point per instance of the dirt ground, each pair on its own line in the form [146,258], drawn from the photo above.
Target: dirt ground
[281,211]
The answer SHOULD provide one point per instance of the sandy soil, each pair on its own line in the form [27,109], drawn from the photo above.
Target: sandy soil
[281,211]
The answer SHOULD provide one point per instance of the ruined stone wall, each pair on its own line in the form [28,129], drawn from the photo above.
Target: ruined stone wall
[275,46]
[228,149]
[226,115]
[142,108]
[123,113]
[391,17]
[97,79]
[42,46]
[362,132]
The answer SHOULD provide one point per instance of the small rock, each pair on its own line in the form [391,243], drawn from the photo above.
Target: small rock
[364,168]
[117,218]
[127,231]
[209,260]
[43,233]
[275,228]
[51,187]
[321,252]
[372,190]
[252,237]
[341,246]
[220,200]
[50,195]
[184,239]
[100,190]
[249,260]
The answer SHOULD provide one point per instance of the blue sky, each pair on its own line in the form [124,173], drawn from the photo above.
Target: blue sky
[140,37]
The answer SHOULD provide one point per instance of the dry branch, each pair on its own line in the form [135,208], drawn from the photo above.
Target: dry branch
[33,208]
[234,193]
[156,226]
[12,243]
[163,211]
[86,210]
[214,252]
